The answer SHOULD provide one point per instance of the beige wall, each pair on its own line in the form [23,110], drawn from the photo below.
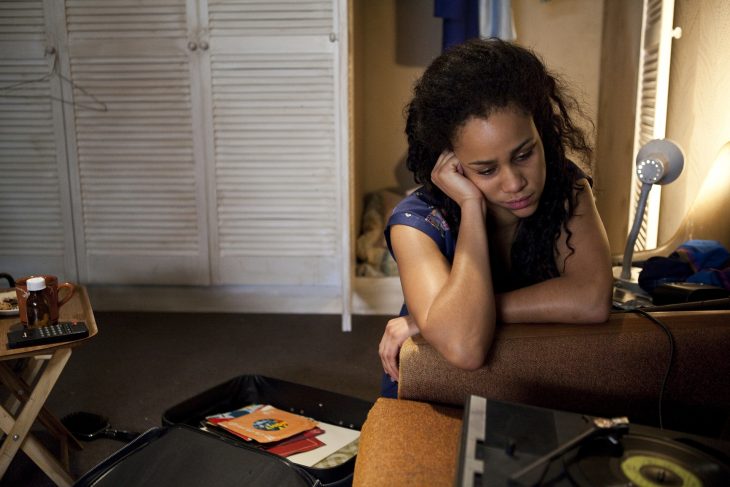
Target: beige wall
[698,108]
[394,41]
[567,35]
[614,154]
[699,105]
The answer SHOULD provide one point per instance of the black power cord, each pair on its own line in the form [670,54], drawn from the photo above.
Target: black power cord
[666,330]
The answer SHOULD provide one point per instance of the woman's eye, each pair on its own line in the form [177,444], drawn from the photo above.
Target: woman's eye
[487,172]
[524,155]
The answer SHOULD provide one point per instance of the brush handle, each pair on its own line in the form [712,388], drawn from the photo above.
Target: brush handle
[119,435]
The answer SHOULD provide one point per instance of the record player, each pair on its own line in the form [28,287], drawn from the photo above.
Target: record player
[508,444]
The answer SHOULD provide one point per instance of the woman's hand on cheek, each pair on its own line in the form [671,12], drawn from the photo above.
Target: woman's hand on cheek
[448,176]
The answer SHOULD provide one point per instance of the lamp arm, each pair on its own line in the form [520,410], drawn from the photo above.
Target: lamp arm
[631,241]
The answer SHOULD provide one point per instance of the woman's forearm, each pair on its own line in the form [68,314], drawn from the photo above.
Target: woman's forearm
[460,321]
[558,300]
[582,293]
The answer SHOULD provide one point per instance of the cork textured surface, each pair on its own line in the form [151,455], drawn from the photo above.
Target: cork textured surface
[409,443]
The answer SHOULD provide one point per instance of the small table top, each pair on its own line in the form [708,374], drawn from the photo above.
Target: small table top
[77,308]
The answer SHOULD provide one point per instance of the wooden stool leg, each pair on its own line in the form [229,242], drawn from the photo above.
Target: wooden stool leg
[18,433]
[22,390]
[38,453]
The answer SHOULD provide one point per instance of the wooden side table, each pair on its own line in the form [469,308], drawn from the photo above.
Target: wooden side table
[32,386]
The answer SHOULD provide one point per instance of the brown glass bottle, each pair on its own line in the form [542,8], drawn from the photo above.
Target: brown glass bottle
[36,305]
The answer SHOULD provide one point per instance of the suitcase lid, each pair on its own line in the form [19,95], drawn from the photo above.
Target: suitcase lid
[182,456]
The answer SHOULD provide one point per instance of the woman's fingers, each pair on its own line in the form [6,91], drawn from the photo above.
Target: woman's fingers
[448,175]
[446,164]
[390,346]
[388,356]
[445,167]
[392,351]
[397,331]
[459,169]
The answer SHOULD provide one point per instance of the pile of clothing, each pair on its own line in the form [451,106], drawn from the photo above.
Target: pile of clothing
[695,261]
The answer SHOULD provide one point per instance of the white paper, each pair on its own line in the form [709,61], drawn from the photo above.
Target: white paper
[334,438]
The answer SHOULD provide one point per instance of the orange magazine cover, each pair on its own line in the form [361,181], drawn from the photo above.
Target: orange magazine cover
[268,424]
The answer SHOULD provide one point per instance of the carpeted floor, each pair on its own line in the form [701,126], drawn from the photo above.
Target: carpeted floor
[141,364]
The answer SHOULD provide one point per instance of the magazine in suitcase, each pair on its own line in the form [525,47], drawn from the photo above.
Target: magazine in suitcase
[339,416]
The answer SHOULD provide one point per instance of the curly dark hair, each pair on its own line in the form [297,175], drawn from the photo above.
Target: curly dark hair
[474,79]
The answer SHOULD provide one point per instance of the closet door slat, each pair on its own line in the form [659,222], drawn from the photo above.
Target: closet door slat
[36,234]
[274,103]
[143,200]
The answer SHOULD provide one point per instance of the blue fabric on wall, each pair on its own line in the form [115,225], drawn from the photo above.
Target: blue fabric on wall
[461,20]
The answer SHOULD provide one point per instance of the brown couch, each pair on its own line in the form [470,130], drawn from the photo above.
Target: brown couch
[611,369]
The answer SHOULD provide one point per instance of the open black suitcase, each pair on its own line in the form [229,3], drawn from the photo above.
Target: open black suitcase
[181,454]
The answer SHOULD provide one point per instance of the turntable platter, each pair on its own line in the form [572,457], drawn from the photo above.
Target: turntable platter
[645,461]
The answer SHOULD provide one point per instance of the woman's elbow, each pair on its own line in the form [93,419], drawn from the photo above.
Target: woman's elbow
[597,308]
[469,356]
[599,313]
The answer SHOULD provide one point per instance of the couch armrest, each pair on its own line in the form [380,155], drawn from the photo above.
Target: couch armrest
[612,368]
[408,443]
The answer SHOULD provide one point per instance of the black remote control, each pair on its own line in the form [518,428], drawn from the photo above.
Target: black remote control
[60,332]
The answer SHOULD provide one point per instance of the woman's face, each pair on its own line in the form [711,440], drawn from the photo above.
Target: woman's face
[503,156]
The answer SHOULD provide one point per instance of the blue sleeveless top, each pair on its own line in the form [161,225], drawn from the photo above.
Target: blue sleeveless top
[419,210]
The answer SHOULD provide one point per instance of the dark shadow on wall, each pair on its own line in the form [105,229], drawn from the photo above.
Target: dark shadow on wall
[418,33]
[403,177]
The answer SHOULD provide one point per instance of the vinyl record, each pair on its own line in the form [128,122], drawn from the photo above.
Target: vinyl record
[645,461]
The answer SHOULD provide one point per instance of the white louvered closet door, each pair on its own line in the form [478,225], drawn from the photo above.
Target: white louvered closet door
[278,201]
[651,105]
[139,162]
[35,218]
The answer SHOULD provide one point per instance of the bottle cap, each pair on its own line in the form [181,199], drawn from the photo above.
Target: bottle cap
[36,283]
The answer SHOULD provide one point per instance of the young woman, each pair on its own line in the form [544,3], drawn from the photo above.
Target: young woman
[504,227]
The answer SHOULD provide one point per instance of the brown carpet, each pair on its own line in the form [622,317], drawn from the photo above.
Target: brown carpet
[141,364]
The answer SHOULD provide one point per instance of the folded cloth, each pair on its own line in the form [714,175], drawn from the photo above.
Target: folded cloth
[704,254]
[699,261]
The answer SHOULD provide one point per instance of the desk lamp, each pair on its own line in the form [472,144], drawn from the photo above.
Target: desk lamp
[659,161]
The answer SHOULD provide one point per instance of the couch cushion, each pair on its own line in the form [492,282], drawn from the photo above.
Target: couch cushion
[609,369]
[408,443]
